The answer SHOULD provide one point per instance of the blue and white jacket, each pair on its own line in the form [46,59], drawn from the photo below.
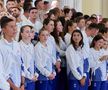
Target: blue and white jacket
[99,71]
[45,61]
[77,63]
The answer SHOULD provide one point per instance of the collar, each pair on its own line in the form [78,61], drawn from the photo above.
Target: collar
[6,42]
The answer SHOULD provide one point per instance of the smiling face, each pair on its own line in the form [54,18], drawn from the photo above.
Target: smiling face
[105,44]
[15,12]
[99,43]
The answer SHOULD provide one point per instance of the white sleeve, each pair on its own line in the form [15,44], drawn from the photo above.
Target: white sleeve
[67,41]
[94,62]
[25,72]
[4,85]
[72,61]
[39,65]
[62,53]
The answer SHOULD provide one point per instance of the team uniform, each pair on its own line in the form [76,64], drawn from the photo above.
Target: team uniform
[45,65]
[12,61]
[52,44]
[77,67]
[27,52]
[4,85]
[99,71]
[62,78]
[106,53]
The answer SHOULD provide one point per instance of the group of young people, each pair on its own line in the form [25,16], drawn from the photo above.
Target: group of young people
[63,50]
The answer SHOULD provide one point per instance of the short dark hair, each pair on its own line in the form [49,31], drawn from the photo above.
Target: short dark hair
[36,2]
[93,25]
[32,8]
[91,18]
[66,10]
[11,1]
[27,7]
[4,21]
[104,30]
[78,14]
[46,2]
[16,7]
[78,19]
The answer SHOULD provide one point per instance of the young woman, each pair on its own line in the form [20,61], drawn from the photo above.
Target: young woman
[27,51]
[44,62]
[61,48]
[57,34]
[49,26]
[69,28]
[98,64]
[77,63]
[67,15]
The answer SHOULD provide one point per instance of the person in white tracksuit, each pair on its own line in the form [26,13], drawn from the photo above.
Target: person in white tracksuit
[77,63]
[27,52]
[105,49]
[98,64]
[4,85]
[49,26]
[10,54]
[45,62]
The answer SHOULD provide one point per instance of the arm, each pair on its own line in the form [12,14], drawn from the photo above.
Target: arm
[40,63]
[22,83]
[72,61]
[12,85]
[4,85]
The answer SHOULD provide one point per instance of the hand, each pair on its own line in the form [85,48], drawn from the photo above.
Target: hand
[82,81]
[58,65]
[51,76]
[34,78]
[16,88]
[105,57]
[89,82]
[22,87]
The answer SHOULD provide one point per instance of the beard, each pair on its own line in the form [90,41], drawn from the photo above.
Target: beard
[15,15]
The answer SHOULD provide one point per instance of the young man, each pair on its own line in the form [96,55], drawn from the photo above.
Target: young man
[10,55]
[10,4]
[33,16]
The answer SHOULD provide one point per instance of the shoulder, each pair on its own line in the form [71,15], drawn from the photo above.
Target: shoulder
[67,35]
[16,43]
[38,45]
[70,48]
